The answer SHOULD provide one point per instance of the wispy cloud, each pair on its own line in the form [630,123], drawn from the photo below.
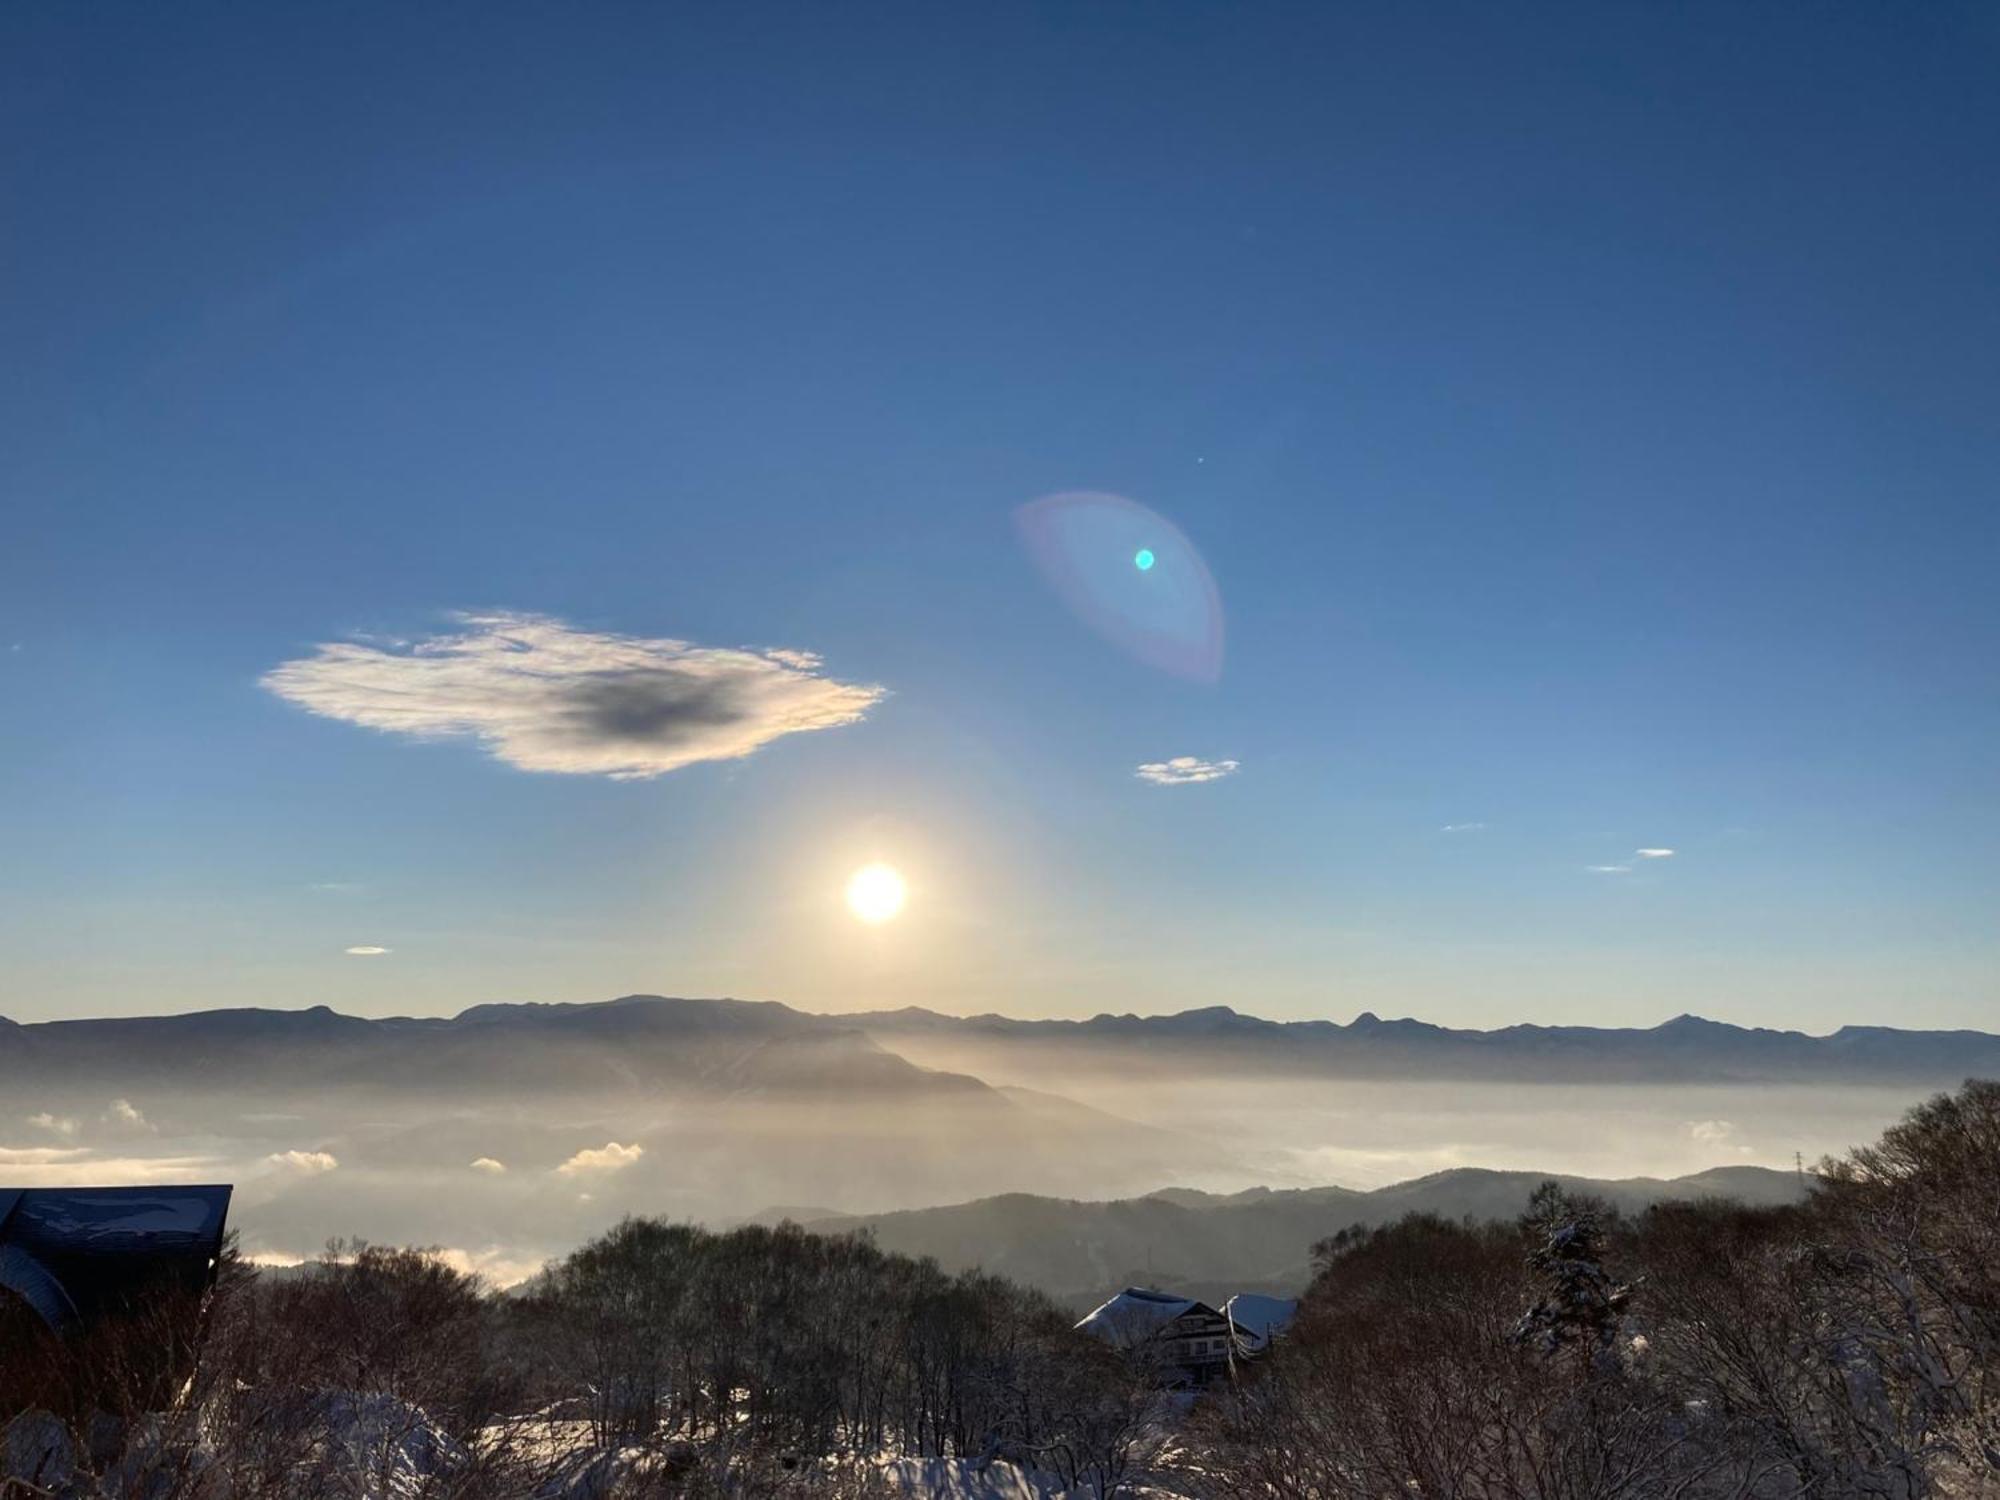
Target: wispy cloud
[366,950]
[489,1166]
[305,1163]
[54,1124]
[1462,828]
[544,696]
[610,1157]
[126,1115]
[1185,770]
[1642,855]
[1719,1133]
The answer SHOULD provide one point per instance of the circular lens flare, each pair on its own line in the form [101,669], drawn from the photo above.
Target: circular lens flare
[875,893]
[1131,575]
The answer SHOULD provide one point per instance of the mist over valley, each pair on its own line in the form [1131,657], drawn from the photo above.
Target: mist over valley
[1191,1148]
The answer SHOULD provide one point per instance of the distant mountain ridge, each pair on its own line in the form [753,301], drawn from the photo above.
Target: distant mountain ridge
[647,1041]
[638,1043]
[1686,1049]
[704,1100]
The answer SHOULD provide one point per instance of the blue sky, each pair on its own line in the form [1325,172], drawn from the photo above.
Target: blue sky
[1587,415]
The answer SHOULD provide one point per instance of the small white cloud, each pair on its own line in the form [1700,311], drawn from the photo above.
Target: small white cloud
[544,696]
[1185,770]
[1462,828]
[60,1125]
[367,950]
[1654,853]
[305,1163]
[610,1157]
[1609,869]
[335,887]
[126,1114]
[489,1166]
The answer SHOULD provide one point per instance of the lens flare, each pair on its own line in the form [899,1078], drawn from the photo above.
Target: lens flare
[1131,575]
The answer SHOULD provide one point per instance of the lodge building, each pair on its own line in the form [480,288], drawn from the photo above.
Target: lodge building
[1194,1343]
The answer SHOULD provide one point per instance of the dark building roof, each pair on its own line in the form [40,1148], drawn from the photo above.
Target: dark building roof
[74,1254]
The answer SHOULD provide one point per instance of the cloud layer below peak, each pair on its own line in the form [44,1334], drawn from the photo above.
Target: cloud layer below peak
[542,695]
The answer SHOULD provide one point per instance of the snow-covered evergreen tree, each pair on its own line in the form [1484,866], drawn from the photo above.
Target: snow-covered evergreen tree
[1581,1304]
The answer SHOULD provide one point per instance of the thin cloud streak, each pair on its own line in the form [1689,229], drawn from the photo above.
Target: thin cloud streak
[35,1168]
[39,1156]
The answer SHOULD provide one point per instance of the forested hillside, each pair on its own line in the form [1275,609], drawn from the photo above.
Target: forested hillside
[1212,1244]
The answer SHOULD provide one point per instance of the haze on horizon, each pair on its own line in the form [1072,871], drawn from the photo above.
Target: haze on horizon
[1489,521]
[512,1133]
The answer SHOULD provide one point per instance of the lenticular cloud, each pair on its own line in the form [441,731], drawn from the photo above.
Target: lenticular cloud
[543,696]
[1131,575]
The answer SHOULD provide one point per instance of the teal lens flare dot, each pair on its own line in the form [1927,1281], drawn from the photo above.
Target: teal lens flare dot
[1143,559]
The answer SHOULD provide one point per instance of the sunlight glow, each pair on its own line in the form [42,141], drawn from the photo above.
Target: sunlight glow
[875,893]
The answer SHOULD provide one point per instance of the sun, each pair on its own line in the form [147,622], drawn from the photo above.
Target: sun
[875,893]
